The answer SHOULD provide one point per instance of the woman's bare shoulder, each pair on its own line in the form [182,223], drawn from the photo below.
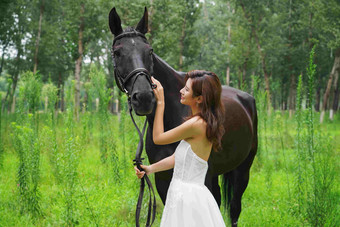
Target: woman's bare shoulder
[198,123]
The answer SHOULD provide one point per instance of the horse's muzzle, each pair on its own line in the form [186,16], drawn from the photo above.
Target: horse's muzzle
[143,102]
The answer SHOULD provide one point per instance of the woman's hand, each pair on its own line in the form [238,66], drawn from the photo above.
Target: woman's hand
[158,91]
[140,174]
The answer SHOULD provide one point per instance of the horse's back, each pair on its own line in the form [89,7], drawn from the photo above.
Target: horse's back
[245,99]
[240,112]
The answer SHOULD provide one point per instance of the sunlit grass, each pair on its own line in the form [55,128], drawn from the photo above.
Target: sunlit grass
[101,199]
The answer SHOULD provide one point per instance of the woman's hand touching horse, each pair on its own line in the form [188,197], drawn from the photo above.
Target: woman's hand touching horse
[158,91]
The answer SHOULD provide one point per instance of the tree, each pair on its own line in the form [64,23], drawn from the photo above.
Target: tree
[38,36]
[18,13]
[255,12]
[328,16]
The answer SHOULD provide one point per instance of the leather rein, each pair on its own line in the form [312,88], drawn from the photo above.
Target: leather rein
[121,82]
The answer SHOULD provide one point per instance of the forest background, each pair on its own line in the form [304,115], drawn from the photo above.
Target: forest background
[58,99]
[234,39]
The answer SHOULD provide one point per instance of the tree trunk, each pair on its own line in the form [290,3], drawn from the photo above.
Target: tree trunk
[7,94]
[3,56]
[85,104]
[283,95]
[227,81]
[38,37]
[240,79]
[15,76]
[58,102]
[62,101]
[265,72]
[334,107]
[181,46]
[335,69]
[18,46]
[244,71]
[262,56]
[79,62]
[292,95]
[11,95]
[317,99]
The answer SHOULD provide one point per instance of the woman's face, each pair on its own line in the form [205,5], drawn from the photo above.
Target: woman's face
[187,94]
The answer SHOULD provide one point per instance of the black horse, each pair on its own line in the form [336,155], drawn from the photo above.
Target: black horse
[134,62]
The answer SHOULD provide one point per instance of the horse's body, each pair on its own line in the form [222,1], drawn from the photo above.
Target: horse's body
[239,144]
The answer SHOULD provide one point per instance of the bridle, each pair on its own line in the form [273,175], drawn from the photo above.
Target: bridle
[121,83]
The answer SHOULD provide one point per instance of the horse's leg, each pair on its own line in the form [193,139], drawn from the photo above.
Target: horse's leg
[162,184]
[238,180]
[239,183]
[212,184]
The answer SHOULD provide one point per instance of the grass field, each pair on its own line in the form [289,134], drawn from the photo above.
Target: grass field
[85,174]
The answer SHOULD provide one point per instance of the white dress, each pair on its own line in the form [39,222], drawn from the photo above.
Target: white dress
[189,202]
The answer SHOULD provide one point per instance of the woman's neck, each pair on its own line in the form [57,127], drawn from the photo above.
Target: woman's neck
[195,110]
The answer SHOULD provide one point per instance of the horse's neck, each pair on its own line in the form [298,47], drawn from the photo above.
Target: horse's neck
[172,82]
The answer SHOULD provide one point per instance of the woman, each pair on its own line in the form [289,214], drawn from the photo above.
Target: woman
[189,202]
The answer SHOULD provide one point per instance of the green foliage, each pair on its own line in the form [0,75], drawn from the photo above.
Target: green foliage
[70,172]
[1,144]
[100,91]
[87,123]
[30,90]
[279,128]
[299,144]
[315,170]
[86,191]
[27,144]
[98,88]
[27,147]
[50,146]
[260,96]
[80,172]
[69,93]
[122,126]
[51,92]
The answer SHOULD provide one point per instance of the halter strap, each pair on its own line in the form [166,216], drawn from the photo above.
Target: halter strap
[138,160]
[118,77]
[129,34]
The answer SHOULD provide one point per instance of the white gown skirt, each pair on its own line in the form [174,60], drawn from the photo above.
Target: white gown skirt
[190,204]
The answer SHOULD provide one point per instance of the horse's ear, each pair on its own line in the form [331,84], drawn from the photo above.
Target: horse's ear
[114,22]
[143,23]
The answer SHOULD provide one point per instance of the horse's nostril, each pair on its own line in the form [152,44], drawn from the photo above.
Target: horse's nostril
[134,96]
[142,97]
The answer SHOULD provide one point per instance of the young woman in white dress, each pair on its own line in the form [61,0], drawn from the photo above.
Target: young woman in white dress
[189,202]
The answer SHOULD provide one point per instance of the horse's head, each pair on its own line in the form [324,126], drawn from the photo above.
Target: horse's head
[133,64]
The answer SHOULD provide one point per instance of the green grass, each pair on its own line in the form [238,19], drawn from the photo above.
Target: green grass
[100,199]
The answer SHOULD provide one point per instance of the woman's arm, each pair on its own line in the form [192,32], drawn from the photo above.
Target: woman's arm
[162,165]
[186,130]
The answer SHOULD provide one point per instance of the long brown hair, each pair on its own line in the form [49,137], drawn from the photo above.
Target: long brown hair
[208,85]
